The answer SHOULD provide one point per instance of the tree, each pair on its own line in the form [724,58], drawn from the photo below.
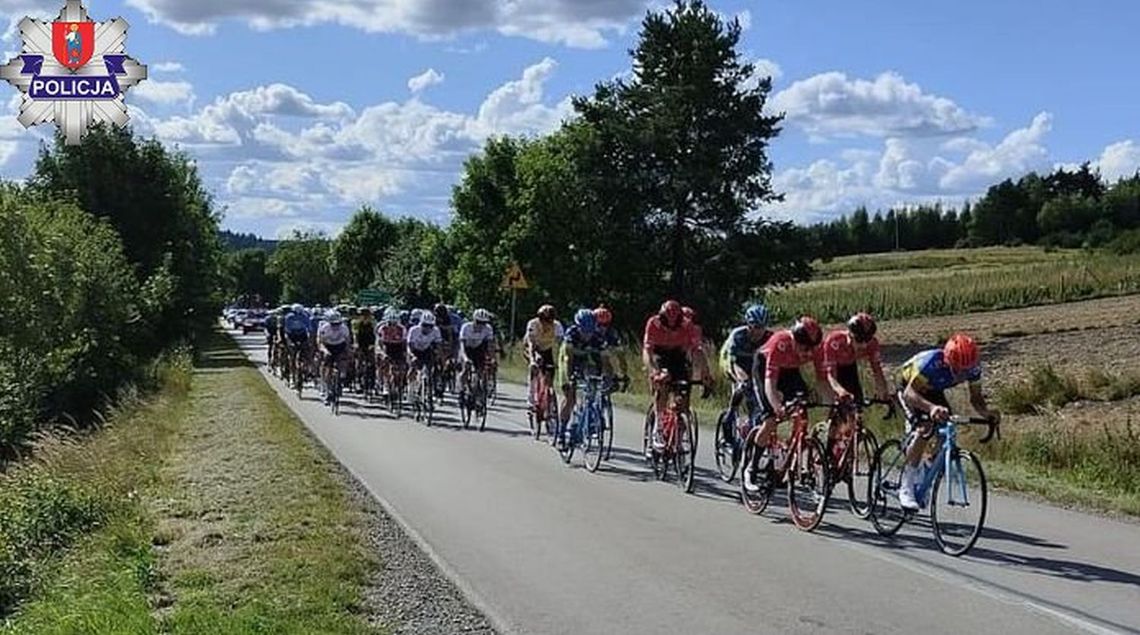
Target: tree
[362,247]
[692,133]
[156,202]
[247,275]
[303,265]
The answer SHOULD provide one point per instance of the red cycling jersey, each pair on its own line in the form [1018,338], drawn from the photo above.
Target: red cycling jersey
[391,333]
[781,353]
[839,350]
[687,337]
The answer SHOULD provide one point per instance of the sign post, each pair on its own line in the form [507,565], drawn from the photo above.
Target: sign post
[514,280]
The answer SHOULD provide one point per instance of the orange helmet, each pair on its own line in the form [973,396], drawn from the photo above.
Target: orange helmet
[960,352]
[671,312]
[604,316]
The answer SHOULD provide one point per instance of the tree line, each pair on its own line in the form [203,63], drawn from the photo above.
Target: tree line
[1067,208]
[111,256]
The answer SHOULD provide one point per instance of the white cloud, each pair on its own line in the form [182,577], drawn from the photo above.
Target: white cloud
[910,170]
[1119,160]
[832,105]
[579,23]
[1021,151]
[166,93]
[167,67]
[767,68]
[745,18]
[430,77]
[277,143]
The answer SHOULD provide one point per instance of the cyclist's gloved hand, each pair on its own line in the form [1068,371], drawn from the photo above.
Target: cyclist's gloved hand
[940,413]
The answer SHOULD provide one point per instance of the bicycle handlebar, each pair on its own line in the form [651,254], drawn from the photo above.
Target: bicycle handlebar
[994,426]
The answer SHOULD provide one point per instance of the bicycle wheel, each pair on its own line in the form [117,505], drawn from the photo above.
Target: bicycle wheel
[959,513]
[755,502]
[481,406]
[564,441]
[652,456]
[551,416]
[608,421]
[807,484]
[859,461]
[593,441]
[685,450]
[464,400]
[727,457]
[887,513]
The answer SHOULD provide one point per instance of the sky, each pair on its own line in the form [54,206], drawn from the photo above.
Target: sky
[298,112]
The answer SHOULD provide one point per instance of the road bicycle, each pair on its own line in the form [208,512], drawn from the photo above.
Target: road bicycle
[544,412]
[678,425]
[954,482]
[731,431]
[423,394]
[397,385]
[591,426]
[851,450]
[333,388]
[473,397]
[799,463]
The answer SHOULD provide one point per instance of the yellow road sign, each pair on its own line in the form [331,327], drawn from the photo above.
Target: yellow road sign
[514,278]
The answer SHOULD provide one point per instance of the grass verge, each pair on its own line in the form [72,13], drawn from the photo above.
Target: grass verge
[1045,387]
[230,519]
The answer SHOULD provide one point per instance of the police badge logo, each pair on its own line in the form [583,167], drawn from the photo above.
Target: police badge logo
[73,72]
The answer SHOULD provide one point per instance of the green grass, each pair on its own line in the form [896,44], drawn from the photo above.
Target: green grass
[944,290]
[231,520]
[987,257]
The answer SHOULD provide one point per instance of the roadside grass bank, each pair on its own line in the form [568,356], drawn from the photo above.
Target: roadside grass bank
[949,290]
[226,518]
[1045,387]
[909,261]
[1096,468]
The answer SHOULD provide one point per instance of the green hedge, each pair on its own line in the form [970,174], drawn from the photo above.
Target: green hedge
[72,309]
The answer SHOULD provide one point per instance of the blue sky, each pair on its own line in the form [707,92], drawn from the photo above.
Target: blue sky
[298,112]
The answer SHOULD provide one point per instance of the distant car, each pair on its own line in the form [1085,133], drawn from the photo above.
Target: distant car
[253,321]
[236,318]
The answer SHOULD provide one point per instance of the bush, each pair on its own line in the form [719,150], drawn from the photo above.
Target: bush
[69,294]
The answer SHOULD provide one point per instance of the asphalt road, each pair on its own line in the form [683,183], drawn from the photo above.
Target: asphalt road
[546,548]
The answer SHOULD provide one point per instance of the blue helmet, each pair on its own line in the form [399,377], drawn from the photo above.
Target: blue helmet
[757,315]
[585,320]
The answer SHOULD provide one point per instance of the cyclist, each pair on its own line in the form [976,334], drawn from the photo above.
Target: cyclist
[671,346]
[364,337]
[700,362]
[784,354]
[424,342]
[393,339]
[612,351]
[924,380]
[271,323]
[333,340]
[738,361]
[297,326]
[582,347]
[842,350]
[476,347]
[448,324]
[542,333]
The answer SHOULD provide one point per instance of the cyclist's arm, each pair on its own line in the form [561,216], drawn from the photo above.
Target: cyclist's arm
[775,399]
[916,401]
[978,401]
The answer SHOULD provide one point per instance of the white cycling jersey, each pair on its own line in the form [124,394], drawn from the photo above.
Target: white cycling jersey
[473,335]
[420,340]
[332,334]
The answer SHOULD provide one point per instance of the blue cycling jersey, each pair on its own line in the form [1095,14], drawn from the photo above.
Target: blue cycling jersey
[297,323]
[929,372]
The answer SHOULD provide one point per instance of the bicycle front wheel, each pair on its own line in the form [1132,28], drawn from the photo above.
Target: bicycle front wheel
[685,450]
[807,484]
[725,449]
[859,475]
[887,513]
[593,439]
[958,504]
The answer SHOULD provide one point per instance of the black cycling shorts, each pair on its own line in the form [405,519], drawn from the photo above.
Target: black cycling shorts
[546,359]
[336,351]
[477,355]
[848,377]
[674,361]
[790,384]
[423,358]
[298,338]
[396,353]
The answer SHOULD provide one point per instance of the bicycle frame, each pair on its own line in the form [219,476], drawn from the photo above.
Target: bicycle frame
[946,461]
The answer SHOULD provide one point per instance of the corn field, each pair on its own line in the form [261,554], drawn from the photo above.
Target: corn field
[949,292]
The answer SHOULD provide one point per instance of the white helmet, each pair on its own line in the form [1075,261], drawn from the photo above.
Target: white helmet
[427,319]
[297,308]
[333,317]
[482,315]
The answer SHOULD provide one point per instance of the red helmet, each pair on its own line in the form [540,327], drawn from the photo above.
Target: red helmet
[960,352]
[604,316]
[671,312]
[862,327]
[807,332]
